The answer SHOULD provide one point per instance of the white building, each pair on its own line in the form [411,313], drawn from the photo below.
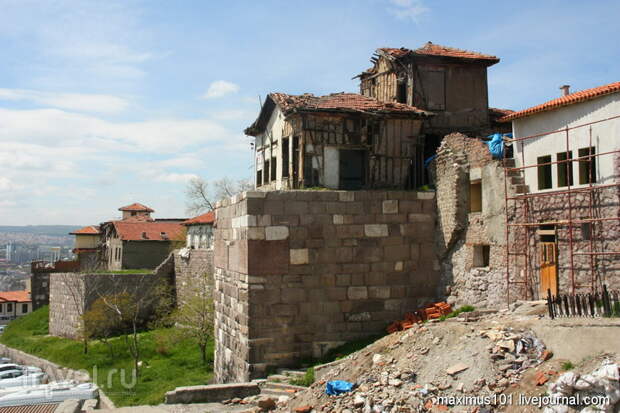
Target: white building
[14,304]
[200,231]
[569,111]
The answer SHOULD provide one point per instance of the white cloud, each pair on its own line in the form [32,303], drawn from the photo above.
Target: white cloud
[56,127]
[220,88]
[408,9]
[74,101]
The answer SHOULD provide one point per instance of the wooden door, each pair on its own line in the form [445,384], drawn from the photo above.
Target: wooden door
[548,268]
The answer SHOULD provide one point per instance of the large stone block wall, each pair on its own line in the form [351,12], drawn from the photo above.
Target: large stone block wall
[190,270]
[299,272]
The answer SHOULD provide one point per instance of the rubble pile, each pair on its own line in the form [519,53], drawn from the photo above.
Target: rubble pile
[412,370]
[601,391]
[430,312]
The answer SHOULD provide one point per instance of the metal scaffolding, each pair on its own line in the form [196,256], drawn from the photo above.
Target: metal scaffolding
[521,224]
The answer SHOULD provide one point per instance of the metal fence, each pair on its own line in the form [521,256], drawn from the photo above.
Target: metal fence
[601,304]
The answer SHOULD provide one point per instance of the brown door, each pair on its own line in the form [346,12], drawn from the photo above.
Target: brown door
[548,268]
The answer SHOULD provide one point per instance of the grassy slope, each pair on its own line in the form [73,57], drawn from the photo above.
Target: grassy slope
[177,363]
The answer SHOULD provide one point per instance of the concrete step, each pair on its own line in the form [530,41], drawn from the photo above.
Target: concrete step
[292,373]
[282,386]
[275,378]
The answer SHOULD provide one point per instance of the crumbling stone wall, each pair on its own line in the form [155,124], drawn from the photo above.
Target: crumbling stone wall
[189,271]
[460,161]
[299,272]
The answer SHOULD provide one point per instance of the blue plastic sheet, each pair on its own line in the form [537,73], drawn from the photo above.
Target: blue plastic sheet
[336,387]
[496,144]
[429,160]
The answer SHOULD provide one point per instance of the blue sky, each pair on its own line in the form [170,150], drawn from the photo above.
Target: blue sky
[107,103]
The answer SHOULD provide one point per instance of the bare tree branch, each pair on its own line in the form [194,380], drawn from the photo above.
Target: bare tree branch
[202,195]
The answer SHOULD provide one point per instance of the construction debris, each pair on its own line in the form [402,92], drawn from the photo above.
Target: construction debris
[430,312]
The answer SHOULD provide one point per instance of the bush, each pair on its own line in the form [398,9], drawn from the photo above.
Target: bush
[306,380]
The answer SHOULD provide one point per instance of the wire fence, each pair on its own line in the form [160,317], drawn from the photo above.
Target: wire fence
[601,304]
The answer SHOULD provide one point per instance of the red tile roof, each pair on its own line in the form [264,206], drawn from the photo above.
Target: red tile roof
[431,49]
[31,408]
[89,230]
[576,97]
[17,296]
[130,230]
[136,207]
[207,218]
[344,102]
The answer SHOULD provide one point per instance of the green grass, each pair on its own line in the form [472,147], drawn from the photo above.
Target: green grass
[169,360]
[306,380]
[455,313]
[568,365]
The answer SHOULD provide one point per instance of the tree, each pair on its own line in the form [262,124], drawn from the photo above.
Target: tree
[102,322]
[131,304]
[195,314]
[202,195]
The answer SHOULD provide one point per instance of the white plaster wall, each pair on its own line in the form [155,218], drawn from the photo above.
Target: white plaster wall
[605,138]
[272,134]
[332,167]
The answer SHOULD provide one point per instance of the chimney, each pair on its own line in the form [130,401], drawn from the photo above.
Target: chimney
[565,90]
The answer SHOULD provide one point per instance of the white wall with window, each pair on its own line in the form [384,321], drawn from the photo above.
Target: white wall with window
[549,149]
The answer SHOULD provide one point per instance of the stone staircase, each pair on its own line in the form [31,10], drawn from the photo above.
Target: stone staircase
[516,177]
[280,384]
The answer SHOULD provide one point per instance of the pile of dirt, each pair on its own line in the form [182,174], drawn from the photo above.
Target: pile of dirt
[426,368]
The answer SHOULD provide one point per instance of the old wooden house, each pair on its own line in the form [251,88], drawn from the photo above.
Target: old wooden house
[338,141]
[450,82]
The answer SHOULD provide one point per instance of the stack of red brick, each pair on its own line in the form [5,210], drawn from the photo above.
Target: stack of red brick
[430,312]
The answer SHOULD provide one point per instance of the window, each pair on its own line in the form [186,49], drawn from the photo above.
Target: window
[475,196]
[266,171]
[259,178]
[482,254]
[1,308]
[586,230]
[587,166]
[133,213]
[434,82]
[401,91]
[352,169]
[9,307]
[24,308]
[546,232]
[274,164]
[565,170]
[285,157]
[544,172]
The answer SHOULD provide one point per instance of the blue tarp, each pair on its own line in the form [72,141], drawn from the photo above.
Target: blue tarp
[496,144]
[429,160]
[336,387]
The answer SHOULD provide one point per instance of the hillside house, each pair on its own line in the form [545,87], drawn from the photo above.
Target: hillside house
[338,141]
[14,304]
[200,231]
[567,151]
[136,241]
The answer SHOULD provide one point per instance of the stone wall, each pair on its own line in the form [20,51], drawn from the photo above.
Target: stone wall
[71,294]
[189,271]
[299,272]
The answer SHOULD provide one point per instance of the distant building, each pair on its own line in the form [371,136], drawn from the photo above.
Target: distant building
[136,241]
[200,231]
[14,304]
[87,242]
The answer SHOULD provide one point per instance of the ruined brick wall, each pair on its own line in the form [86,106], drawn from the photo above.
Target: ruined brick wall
[299,272]
[460,161]
[190,270]
[40,290]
